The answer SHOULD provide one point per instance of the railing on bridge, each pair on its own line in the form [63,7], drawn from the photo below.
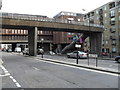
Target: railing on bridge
[45,18]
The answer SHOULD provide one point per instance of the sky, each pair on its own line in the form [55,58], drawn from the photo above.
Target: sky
[50,7]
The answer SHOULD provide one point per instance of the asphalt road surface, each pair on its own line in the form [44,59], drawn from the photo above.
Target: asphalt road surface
[30,72]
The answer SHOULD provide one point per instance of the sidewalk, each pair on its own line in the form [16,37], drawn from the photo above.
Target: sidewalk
[81,65]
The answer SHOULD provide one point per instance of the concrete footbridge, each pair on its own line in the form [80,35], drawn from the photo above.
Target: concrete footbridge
[34,23]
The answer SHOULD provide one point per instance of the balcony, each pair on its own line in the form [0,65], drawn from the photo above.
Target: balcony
[112,30]
[100,12]
[112,15]
[112,22]
[114,43]
[113,37]
[111,5]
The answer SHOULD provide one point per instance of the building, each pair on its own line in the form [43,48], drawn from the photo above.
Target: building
[19,37]
[109,16]
[61,39]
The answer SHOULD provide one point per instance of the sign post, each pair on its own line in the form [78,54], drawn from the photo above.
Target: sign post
[77,46]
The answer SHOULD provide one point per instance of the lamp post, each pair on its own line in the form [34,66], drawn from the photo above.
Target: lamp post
[0,4]
[42,39]
[89,51]
[88,26]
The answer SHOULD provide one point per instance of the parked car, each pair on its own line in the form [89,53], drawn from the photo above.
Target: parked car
[18,49]
[26,51]
[51,53]
[104,54]
[74,54]
[9,50]
[117,58]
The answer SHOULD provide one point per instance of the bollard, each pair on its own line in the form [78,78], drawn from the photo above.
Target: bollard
[42,55]
[88,59]
[77,58]
[96,62]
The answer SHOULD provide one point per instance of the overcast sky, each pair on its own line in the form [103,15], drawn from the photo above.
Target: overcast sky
[50,7]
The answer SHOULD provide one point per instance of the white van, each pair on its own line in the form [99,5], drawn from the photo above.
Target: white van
[18,49]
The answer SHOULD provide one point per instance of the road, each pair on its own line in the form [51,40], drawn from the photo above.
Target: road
[30,72]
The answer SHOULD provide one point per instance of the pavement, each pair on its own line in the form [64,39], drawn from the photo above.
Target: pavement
[82,65]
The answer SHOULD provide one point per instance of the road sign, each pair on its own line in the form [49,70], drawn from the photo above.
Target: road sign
[81,40]
[75,37]
[93,55]
[77,45]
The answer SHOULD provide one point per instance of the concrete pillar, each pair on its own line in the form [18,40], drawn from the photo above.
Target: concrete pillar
[32,41]
[96,43]
[14,45]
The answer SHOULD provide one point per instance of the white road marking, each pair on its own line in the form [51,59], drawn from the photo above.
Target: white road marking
[35,68]
[17,84]
[14,80]
[11,77]
[79,68]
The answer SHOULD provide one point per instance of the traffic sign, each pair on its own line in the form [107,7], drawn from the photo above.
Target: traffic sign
[75,37]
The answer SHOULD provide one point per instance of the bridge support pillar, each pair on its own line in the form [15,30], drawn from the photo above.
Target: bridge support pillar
[32,41]
[14,46]
[96,43]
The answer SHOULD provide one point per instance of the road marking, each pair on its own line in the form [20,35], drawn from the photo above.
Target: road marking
[79,67]
[14,80]
[11,77]
[17,84]
[35,68]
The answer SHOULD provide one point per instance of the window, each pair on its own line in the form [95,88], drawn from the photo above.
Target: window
[119,10]
[18,31]
[78,20]
[105,14]
[12,37]
[12,31]
[6,31]
[113,49]
[105,8]
[112,5]
[112,13]
[113,42]
[97,18]
[0,30]
[96,11]
[106,42]
[112,22]
[24,31]
[113,29]
[15,31]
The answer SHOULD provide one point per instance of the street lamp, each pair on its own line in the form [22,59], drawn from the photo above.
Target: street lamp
[0,4]
[88,26]
[42,39]
[89,51]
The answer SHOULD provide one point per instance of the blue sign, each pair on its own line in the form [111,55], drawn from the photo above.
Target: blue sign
[75,37]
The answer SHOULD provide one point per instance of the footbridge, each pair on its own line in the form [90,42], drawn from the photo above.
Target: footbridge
[94,31]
